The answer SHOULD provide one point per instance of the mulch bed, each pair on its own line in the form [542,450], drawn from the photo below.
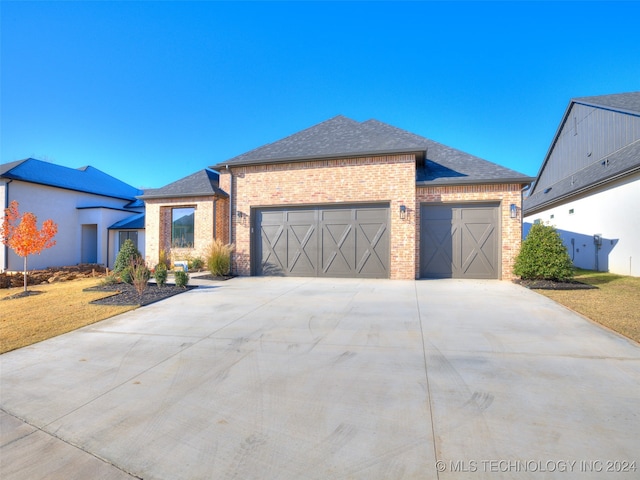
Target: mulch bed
[125,294]
[214,277]
[22,294]
[551,285]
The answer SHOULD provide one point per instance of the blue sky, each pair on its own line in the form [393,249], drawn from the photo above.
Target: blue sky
[150,92]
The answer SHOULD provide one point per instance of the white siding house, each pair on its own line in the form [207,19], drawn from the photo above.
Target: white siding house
[84,203]
[589,184]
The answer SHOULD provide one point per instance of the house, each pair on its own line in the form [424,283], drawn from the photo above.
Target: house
[366,199]
[588,186]
[183,218]
[95,212]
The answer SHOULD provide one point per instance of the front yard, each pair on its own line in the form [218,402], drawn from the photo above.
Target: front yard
[614,304]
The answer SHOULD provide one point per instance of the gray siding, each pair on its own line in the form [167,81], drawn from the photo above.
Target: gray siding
[587,137]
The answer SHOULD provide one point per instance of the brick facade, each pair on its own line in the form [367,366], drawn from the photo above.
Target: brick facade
[384,179]
[505,194]
[158,226]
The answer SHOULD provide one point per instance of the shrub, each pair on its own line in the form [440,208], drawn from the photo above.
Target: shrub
[125,275]
[543,256]
[219,258]
[140,275]
[160,274]
[196,264]
[127,253]
[110,279]
[182,278]
[165,258]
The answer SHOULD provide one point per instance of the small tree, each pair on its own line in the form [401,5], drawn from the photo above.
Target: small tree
[127,254]
[20,233]
[543,256]
[140,275]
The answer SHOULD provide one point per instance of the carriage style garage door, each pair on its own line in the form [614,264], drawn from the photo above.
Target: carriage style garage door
[459,241]
[345,241]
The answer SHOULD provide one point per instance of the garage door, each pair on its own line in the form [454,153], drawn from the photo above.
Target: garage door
[322,241]
[459,241]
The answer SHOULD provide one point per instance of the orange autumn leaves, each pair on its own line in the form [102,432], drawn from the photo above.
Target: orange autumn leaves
[20,232]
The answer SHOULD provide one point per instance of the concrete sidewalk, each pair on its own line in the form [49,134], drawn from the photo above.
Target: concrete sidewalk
[261,378]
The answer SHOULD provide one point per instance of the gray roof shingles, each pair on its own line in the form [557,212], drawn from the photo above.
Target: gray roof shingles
[343,137]
[623,102]
[201,183]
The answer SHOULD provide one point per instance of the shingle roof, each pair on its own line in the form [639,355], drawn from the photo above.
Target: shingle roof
[202,183]
[133,222]
[622,102]
[343,137]
[86,179]
[622,162]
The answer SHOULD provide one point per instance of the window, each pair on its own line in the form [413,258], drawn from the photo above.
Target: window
[571,211]
[127,235]
[182,227]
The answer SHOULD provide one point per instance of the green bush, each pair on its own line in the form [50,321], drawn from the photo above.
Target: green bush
[110,279]
[160,274]
[125,256]
[182,278]
[219,258]
[543,256]
[196,264]
[126,275]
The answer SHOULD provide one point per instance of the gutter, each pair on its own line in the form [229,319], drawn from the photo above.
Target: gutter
[5,267]
[558,200]
[475,181]
[309,158]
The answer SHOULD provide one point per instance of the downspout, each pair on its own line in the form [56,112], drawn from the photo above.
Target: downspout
[215,217]
[230,205]
[522,190]
[231,213]
[6,205]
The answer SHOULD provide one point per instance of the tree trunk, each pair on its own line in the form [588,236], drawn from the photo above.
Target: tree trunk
[25,273]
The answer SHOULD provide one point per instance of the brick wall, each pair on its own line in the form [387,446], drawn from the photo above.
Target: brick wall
[158,226]
[389,179]
[505,194]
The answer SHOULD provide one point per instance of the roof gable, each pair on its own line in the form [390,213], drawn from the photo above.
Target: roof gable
[201,183]
[86,179]
[622,102]
[343,137]
[598,141]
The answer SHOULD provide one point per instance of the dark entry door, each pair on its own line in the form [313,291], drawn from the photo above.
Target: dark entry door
[459,241]
[345,241]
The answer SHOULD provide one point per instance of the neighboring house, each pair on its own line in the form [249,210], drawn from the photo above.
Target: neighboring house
[589,184]
[85,203]
[184,217]
[366,199]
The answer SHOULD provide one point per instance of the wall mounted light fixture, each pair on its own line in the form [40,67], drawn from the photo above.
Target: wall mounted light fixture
[513,210]
[403,212]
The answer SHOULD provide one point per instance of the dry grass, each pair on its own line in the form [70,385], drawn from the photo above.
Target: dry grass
[614,304]
[59,308]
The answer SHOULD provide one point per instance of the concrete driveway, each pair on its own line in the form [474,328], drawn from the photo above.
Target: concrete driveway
[278,378]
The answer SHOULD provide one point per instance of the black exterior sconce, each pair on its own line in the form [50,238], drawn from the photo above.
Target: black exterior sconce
[513,210]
